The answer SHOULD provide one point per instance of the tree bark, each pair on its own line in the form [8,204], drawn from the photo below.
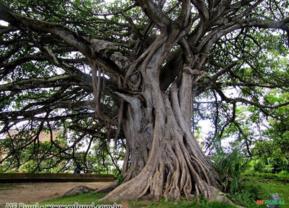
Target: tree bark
[163,159]
[138,133]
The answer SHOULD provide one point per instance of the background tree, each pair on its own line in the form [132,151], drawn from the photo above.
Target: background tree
[134,70]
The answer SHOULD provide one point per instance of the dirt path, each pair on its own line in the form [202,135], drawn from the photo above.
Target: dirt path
[35,192]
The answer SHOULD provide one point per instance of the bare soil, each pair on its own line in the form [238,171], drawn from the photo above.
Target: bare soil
[36,192]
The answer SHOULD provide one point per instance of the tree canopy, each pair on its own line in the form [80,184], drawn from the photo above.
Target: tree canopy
[130,71]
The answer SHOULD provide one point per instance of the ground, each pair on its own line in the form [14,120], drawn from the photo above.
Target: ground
[49,193]
[36,192]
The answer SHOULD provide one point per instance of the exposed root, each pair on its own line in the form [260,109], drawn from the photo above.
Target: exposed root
[219,196]
[78,190]
[108,188]
[171,173]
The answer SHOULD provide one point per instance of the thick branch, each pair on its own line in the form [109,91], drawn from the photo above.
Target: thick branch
[40,26]
[154,13]
[56,81]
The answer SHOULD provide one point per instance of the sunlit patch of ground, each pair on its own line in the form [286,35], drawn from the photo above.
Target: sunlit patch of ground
[35,192]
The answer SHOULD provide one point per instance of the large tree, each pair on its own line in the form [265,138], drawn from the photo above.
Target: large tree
[135,69]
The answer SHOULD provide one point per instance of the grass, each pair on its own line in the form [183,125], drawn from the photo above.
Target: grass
[179,204]
[254,188]
[6,186]
[269,187]
[282,176]
[89,198]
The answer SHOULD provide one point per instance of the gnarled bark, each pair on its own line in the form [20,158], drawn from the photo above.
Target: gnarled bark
[167,159]
[138,131]
[175,166]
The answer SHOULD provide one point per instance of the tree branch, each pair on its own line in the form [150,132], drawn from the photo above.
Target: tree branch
[155,13]
[40,26]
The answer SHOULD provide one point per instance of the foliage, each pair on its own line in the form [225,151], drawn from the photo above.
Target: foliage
[47,158]
[271,156]
[266,187]
[32,159]
[248,194]
[261,188]
[282,176]
[230,167]
[125,71]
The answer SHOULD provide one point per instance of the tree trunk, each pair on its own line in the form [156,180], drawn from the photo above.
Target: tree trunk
[163,159]
[173,166]
[138,133]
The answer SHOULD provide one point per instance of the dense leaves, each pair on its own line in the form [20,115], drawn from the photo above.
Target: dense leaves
[88,69]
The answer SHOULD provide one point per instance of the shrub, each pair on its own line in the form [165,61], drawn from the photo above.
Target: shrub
[230,166]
